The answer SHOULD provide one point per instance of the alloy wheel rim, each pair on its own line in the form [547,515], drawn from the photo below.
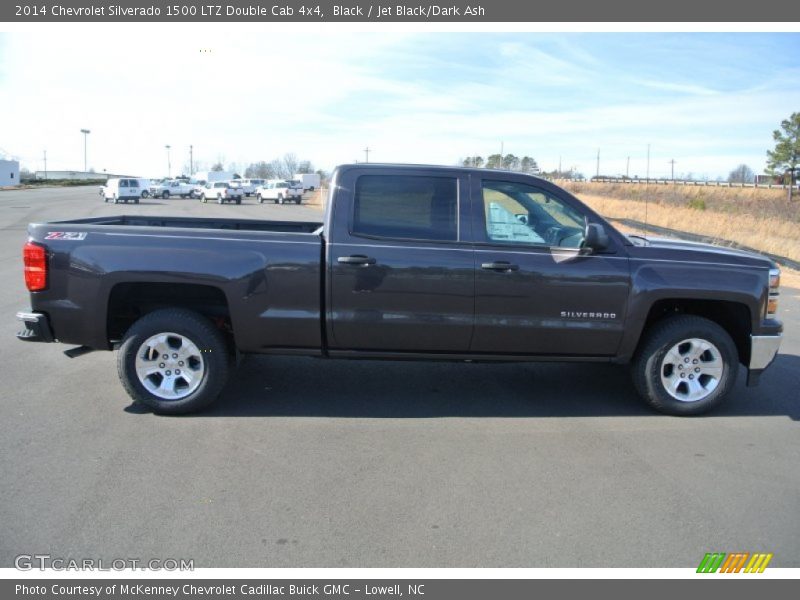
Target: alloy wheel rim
[169,365]
[692,369]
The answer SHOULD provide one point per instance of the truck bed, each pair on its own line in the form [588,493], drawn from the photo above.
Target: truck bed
[198,223]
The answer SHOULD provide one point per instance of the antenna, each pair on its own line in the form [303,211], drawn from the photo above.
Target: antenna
[646,195]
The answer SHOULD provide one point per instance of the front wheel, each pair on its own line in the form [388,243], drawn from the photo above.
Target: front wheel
[145,194]
[280,199]
[219,200]
[165,195]
[203,198]
[686,365]
[174,361]
[260,199]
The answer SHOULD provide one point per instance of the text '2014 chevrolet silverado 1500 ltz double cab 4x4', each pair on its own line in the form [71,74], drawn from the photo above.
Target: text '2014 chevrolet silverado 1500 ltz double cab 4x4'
[411,262]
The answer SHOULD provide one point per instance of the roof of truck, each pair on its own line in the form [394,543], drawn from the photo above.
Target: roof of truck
[412,166]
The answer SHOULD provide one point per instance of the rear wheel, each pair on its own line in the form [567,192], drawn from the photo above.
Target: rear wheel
[219,199]
[260,199]
[686,365]
[203,198]
[239,200]
[116,200]
[145,194]
[298,200]
[280,199]
[174,361]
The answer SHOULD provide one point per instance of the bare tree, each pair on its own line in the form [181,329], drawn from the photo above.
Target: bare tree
[742,174]
[290,164]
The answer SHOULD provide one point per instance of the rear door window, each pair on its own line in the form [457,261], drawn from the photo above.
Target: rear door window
[406,207]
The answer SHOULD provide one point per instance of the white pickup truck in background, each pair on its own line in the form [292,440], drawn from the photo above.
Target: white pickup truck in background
[174,187]
[279,191]
[222,191]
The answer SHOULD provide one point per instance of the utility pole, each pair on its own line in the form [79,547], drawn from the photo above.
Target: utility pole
[191,160]
[366,153]
[169,163]
[85,133]
[672,163]
[45,164]
[648,162]
[597,174]
[628,168]
[501,152]
[559,166]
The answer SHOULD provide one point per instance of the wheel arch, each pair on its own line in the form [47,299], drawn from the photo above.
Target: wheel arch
[734,317]
[130,301]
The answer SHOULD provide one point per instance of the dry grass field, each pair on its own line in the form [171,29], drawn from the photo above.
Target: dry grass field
[759,218]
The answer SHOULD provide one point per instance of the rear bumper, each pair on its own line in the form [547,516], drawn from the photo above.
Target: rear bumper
[763,349]
[37,327]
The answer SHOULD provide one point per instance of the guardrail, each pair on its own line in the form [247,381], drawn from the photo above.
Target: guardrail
[770,186]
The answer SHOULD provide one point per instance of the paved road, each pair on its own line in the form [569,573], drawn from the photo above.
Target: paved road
[346,464]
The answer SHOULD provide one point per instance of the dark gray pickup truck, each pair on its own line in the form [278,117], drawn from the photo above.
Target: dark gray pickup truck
[411,262]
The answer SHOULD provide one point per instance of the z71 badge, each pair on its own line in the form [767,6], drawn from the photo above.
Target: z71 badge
[65,235]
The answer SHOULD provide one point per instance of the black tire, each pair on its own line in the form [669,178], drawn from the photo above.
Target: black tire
[219,199]
[280,199]
[649,364]
[116,200]
[260,199]
[136,201]
[203,198]
[239,200]
[298,200]
[145,194]
[192,326]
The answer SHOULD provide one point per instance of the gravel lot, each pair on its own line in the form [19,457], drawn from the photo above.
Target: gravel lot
[305,462]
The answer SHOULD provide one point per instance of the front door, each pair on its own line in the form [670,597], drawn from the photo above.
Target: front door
[401,275]
[536,291]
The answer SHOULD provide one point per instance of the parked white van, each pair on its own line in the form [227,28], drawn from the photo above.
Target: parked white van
[123,189]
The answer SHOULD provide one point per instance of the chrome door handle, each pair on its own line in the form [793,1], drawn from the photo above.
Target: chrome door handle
[500,266]
[357,259]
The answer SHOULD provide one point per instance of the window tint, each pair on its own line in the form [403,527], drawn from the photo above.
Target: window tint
[134,183]
[410,207]
[522,214]
[123,183]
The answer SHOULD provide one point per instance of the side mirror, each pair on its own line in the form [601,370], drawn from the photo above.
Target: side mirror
[595,237]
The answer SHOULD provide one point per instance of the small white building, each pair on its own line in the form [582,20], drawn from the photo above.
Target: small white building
[9,172]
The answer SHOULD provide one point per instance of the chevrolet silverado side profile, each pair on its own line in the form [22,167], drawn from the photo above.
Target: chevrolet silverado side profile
[410,262]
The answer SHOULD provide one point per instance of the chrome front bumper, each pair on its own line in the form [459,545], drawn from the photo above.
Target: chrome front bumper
[763,349]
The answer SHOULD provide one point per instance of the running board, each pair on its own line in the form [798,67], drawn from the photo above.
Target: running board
[78,351]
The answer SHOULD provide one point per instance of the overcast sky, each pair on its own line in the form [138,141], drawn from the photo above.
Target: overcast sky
[709,101]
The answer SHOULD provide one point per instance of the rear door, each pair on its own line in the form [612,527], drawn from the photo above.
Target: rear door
[400,267]
[536,291]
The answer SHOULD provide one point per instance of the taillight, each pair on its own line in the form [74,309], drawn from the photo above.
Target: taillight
[34,257]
